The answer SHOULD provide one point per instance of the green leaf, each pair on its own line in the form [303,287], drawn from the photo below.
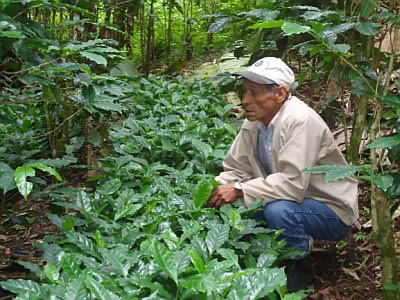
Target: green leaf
[20,286]
[95,138]
[367,7]
[98,59]
[216,237]
[229,255]
[333,172]
[257,285]
[203,193]
[392,100]
[118,259]
[385,142]
[12,34]
[266,25]
[394,190]
[108,106]
[99,240]
[110,187]
[47,169]
[201,283]
[265,260]
[368,28]
[235,219]
[127,211]
[198,262]
[34,268]
[263,13]
[293,28]
[52,273]
[341,48]
[99,290]
[230,129]
[384,182]
[76,290]
[153,286]
[21,175]
[204,148]
[70,265]
[220,24]
[83,202]
[125,67]
[82,242]
[165,259]
[7,181]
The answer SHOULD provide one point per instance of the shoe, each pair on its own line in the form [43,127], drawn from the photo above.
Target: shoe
[298,273]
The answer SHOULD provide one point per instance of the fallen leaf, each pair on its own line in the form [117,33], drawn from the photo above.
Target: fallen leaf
[352,273]
[3,237]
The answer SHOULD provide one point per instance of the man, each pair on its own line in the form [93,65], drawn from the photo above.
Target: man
[280,138]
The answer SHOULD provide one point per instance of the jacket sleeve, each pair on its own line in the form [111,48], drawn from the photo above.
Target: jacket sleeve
[237,167]
[300,144]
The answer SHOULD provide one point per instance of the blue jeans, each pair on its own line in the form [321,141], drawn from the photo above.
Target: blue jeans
[302,221]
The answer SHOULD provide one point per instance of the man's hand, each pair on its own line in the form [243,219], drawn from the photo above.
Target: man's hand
[224,194]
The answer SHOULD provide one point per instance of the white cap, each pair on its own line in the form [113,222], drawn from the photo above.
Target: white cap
[269,70]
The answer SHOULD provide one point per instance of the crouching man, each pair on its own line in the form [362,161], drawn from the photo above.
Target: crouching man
[280,138]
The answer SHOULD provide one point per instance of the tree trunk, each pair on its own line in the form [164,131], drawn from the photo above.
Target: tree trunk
[353,152]
[149,50]
[169,30]
[382,224]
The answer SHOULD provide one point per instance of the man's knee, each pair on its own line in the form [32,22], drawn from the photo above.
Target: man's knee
[277,213]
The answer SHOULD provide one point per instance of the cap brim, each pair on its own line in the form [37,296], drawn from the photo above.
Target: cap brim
[255,77]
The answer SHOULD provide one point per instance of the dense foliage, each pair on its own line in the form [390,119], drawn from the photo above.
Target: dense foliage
[71,96]
[142,233]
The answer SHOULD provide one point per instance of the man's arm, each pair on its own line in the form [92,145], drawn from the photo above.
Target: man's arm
[237,167]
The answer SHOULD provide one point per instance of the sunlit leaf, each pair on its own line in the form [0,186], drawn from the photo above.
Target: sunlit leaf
[127,211]
[52,272]
[384,182]
[220,24]
[12,34]
[165,259]
[293,28]
[21,176]
[216,237]
[198,262]
[22,286]
[333,172]
[98,59]
[203,193]
[110,187]
[385,142]
[368,28]
[108,106]
[76,290]
[266,25]
[70,265]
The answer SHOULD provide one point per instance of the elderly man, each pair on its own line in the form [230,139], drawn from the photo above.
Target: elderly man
[280,138]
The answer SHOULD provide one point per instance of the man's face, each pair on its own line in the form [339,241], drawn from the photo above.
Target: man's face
[259,103]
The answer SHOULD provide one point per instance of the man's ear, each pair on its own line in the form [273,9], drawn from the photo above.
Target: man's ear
[282,93]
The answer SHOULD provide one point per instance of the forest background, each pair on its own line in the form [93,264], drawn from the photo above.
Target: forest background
[95,90]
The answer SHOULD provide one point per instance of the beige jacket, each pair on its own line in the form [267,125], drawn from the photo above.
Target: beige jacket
[301,140]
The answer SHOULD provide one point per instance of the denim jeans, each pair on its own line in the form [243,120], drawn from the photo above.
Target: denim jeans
[302,221]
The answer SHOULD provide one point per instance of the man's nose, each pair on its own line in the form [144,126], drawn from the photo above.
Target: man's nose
[245,100]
